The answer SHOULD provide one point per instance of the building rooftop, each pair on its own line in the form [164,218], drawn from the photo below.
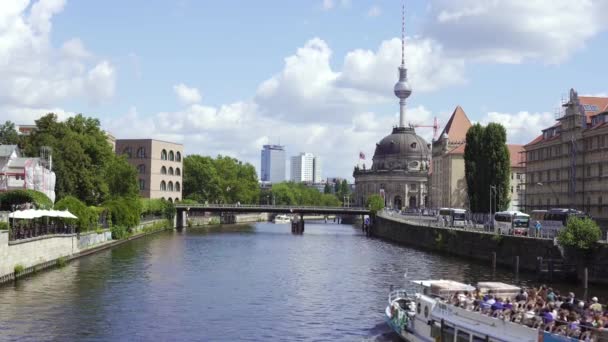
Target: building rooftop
[515,152]
[148,139]
[457,126]
[6,150]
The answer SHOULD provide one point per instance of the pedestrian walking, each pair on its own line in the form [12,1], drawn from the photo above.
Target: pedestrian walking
[538,227]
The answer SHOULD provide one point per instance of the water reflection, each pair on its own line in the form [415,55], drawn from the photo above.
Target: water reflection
[255,282]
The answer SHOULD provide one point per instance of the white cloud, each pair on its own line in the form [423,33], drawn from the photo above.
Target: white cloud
[522,127]
[330,4]
[74,48]
[187,95]
[35,74]
[374,11]
[308,89]
[512,31]
[428,67]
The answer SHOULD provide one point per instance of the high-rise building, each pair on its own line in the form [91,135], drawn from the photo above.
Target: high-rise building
[305,167]
[273,164]
[159,166]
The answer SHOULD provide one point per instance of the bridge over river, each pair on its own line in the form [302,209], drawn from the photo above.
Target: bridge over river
[184,209]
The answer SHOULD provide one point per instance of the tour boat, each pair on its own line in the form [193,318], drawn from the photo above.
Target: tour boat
[428,316]
[282,218]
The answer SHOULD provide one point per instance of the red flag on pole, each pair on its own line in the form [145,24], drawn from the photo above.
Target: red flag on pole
[361,155]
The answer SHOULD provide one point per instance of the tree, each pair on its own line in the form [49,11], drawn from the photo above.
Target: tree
[122,178]
[87,217]
[580,233]
[487,166]
[83,160]
[327,189]
[21,197]
[8,134]
[224,179]
[375,203]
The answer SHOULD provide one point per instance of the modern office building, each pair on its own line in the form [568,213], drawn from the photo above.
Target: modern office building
[567,165]
[273,164]
[305,167]
[159,166]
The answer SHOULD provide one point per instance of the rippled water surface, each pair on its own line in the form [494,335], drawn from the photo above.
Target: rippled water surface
[250,283]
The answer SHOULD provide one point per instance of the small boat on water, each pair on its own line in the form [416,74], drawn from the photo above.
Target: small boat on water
[281,218]
[439,311]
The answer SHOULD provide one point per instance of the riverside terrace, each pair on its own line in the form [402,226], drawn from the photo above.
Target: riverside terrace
[184,209]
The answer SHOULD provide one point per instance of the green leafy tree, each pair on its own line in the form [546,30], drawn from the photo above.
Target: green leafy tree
[375,203]
[83,161]
[87,217]
[122,178]
[8,134]
[21,197]
[487,165]
[224,179]
[327,189]
[291,193]
[580,233]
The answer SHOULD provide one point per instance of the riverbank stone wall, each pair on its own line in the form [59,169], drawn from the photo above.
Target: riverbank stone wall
[469,244]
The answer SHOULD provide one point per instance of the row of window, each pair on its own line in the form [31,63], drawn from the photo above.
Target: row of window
[595,170]
[171,156]
[164,186]
[589,144]
[141,154]
[141,169]
[550,203]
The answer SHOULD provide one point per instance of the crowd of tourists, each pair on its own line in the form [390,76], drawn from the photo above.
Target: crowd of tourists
[542,308]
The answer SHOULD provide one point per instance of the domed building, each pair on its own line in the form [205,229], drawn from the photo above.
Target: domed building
[400,169]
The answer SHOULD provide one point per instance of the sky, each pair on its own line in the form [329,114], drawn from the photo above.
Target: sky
[226,77]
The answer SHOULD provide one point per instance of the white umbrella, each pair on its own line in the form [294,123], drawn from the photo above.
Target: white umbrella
[65,214]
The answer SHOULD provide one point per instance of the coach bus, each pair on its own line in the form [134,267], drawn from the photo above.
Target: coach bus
[511,223]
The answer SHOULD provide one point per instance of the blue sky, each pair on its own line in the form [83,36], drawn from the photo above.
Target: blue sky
[228,76]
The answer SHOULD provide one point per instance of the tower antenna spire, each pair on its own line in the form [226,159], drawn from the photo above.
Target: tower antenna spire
[402,88]
[402,33]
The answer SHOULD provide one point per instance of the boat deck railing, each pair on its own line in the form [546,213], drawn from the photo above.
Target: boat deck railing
[395,294]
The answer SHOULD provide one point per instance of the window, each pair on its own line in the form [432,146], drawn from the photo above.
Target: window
[163,155]
[178,156]
[518,176]
[176,199]
[171,156]
[177,187]
[163,170]
[171,170]
[127,152]
[462,336]
[142,184]
[141,152]
[141,169]
[413,145]
[600,202]
[170,186]
[163,186]
[447,334]
[603,141]
[588,170]
[178,172]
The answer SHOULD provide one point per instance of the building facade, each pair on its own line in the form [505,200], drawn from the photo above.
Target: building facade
[567,165]
[18,172]
[400,168]
[306,167]
[448,183]
[272,164]
[159,166]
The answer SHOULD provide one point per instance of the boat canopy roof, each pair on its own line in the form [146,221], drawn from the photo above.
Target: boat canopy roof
[498,288]
[443,287]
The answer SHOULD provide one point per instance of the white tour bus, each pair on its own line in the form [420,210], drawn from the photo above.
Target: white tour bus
[452,217]
[511,222]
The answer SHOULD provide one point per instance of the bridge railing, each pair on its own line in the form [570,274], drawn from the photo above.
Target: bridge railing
[266,206]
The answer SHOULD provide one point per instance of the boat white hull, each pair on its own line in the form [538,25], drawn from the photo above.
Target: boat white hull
[410,334]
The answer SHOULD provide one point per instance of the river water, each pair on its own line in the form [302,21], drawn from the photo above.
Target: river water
[250,283]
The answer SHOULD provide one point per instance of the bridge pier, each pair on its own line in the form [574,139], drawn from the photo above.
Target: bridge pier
[180,219]
[297,226]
